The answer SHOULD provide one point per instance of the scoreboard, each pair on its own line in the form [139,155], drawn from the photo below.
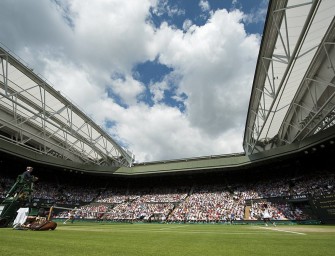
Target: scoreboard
[324,206]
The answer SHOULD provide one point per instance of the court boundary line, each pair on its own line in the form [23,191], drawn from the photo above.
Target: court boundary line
[286,231]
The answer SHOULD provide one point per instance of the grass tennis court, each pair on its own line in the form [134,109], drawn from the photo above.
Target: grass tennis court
[83,238]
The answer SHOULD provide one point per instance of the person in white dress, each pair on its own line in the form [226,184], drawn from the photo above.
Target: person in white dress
[267,216]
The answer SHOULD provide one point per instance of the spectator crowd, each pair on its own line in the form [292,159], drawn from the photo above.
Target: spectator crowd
[191,203]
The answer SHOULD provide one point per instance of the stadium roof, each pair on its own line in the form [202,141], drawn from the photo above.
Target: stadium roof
[35,116]
[293,89]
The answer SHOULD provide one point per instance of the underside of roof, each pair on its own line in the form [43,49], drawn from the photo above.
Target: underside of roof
[35,116]
[293,89]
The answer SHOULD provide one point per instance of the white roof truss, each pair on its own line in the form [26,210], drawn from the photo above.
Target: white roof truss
[36,116]
[293,89]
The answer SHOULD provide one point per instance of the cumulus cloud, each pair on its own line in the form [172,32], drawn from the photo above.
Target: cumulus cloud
[87,52]
[227,57]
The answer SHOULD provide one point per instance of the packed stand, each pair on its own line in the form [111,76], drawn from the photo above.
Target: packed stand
[191,203]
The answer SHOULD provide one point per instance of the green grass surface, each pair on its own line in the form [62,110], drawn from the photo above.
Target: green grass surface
[83,238]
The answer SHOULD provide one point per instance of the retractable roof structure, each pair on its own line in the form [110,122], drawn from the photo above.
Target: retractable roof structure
[35,116]
[294,88]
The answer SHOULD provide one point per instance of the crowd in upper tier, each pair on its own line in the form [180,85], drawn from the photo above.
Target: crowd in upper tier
[212,202]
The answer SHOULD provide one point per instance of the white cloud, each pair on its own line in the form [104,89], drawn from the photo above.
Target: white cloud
[157,90]
[162,7]
[80,46]
[187,24]
[204,5]
[128,89]
[74,83]
[168,133]
[217,62]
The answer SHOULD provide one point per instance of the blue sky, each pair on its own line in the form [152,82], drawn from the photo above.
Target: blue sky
[166,78]
[197,12]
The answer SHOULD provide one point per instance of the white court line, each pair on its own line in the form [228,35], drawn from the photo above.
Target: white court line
[280,230]
[169,228]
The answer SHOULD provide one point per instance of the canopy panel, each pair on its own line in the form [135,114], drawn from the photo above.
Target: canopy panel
[294,76]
